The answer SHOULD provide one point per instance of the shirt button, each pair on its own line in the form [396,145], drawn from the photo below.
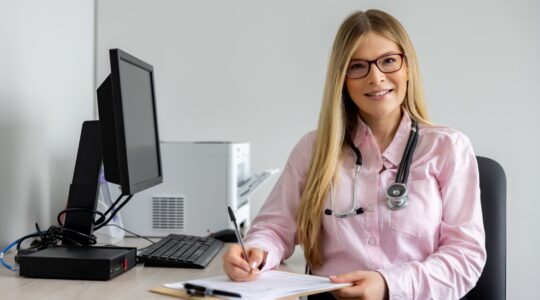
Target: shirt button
[371,242]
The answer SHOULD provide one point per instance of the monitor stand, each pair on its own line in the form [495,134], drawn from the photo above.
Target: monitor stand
[83,191]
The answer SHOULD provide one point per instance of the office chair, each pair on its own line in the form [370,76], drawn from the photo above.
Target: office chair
[492,282]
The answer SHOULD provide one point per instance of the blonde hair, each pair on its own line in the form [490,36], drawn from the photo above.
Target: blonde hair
[338,119]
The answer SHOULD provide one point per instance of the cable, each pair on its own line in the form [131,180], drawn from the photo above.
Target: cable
[114,213]
[102,218]
[48,238]
[93,211]
[75,209]
[54,234]
[131,232]
[82,239]
[73,236]
[5,264]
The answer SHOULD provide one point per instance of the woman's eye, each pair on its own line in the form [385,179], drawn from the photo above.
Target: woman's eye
[357,66]
[389,60]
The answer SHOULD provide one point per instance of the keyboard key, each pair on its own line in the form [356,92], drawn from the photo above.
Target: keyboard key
[196,255]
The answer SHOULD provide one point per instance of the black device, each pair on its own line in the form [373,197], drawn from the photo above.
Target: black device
[78,262]
[181,251]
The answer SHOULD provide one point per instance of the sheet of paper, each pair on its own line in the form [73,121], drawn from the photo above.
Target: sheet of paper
[269,285]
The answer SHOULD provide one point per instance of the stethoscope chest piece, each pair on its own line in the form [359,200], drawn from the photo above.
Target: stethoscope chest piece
[396,196]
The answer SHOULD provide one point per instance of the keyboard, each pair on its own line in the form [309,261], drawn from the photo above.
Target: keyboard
[181,251]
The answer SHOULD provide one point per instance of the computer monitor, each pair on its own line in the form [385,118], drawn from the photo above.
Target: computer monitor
[125,139]
[128,121]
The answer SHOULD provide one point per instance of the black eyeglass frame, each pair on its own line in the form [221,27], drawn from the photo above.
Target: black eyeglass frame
[370,62]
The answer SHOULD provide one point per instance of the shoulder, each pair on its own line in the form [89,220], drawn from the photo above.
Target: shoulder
[302,152]
[304,147]
[307,140]
[448,153]
[443,136]
[440,145]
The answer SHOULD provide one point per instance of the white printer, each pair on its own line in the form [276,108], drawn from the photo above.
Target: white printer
[200,179]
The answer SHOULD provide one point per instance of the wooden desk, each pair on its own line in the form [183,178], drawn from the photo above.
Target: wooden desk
[134,284]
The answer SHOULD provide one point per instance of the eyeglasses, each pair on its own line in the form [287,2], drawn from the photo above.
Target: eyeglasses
[388,63]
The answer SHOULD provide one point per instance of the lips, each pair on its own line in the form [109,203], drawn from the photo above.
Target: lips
[378,93]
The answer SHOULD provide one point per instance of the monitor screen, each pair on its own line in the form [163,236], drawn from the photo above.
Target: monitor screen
[127,115]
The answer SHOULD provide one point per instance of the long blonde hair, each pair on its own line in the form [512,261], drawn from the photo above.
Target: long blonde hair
[338,118]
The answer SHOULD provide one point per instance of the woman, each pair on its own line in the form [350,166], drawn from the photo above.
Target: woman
[377,194]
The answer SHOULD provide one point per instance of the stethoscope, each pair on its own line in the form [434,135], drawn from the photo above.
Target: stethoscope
[396,194]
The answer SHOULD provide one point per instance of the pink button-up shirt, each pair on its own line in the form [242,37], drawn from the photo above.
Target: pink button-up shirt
[432,249]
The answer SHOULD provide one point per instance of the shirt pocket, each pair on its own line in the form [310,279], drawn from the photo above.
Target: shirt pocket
[423,214]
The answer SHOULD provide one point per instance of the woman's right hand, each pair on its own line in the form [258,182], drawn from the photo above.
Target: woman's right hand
[237,268]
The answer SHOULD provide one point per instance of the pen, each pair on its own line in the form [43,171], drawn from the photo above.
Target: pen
[238,235]
[197,290]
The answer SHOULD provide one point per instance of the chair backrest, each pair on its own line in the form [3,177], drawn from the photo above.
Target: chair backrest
[492,282]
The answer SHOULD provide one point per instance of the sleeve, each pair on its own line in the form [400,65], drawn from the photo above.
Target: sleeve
[454,269]
[274,228]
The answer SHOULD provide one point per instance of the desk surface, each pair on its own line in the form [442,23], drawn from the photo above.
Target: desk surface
[134,284]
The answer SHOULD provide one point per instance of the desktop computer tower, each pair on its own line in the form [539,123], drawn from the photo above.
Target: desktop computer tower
[200,179]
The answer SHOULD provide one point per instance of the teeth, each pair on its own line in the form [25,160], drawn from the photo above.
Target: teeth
[379,93]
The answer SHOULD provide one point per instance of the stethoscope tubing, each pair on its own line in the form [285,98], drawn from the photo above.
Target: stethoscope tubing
[394,202]
[405,165]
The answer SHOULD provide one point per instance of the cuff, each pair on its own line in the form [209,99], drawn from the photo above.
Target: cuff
[272,258]
[399,282]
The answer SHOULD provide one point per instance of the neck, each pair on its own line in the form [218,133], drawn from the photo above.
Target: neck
[383,129]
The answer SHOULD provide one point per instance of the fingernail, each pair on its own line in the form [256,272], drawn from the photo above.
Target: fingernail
[254,265]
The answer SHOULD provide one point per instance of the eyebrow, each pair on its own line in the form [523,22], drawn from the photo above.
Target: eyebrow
[384,54]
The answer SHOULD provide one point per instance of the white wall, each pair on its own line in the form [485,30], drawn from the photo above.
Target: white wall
[46,91]
[253,71]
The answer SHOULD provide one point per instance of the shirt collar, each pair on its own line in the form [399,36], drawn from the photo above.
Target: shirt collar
[362,131]
[394,151]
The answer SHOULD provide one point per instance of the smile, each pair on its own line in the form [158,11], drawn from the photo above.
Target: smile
[379,93]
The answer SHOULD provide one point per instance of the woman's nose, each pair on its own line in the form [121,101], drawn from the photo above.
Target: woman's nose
[375,75]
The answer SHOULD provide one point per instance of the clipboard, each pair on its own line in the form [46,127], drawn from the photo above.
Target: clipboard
[180,294]
[271,285]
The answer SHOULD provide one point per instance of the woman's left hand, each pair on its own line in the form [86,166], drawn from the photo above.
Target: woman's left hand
[368,285]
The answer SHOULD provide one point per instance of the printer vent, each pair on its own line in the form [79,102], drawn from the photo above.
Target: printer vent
[168,212]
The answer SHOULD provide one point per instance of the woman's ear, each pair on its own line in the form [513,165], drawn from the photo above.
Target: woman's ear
[406,66]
